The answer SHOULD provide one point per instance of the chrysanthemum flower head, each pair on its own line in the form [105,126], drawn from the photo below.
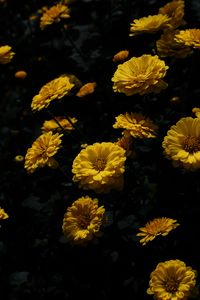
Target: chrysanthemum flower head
[3,214]
[168,46]
[175,11]
[189,37]
[196,111]
[155,227]
[55,89]
[86,89]
[100,167]
[172,280]
[82,220]
[126,142]
[140,75]
[120,56]
[42,151]
[182,143]
[58,124]
[54,14]
[6,54]
[136,125]
[150,24]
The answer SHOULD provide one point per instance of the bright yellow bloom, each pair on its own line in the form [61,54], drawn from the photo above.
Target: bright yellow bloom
[55,89]
[82,220]
[20,74]
[120,56]
[172,280]
[6,54]
[168,46]
[136,125]
[52,125]
[140,75]
[100,167]
[182,143]
[42,151]
[150,24]
[196,111]
[155,227]
[3,214]
[175,11]
[54,14]
[189,37]
[86,89]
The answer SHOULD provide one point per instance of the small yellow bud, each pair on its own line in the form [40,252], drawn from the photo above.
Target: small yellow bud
[20,74]
[19,158]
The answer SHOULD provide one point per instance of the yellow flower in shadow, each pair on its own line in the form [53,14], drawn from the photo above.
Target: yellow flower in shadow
[172,280]
[156,227]
[82,220]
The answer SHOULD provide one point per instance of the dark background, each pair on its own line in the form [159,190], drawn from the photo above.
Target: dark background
[36,262]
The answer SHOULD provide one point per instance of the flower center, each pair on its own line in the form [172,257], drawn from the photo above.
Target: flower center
[171,286]
[99,164]
[191,144]
[84,221]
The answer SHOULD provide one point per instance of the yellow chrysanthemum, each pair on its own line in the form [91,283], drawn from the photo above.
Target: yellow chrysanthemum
[3,214]
[175,11]
[126,142]
[136,125]
[182,143]
[158,226]
[150,24]
[100,167]
[86,89]
[42,151]
[168,46]
[142,75]
[196,111]
[120,56]
[55,89]
[6,54]
[82,220]
[189,37]
[54,14]
[53,125]
[20,74]
[172,280]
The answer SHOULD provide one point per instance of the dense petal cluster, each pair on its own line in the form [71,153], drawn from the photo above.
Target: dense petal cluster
[6,54]
[58,124]
[120,56]
[189,37]
[168,46]
[100,167]
[175,11]
[140,75]
[150,24]
[155,227]
[182,143]
[136,125]
[42,151]
[86,89]
[172,280]
[54,14]
[3,214]
[55,89]
[82,220]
